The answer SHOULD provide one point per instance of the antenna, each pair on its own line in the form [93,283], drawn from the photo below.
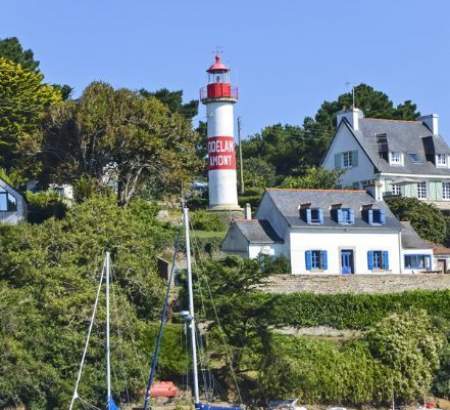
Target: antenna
[349,84]
[218,51]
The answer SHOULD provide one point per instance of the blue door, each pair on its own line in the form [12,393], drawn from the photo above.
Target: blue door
[346,261]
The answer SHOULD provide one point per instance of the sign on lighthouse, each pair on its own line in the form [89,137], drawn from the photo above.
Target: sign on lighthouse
[219,97]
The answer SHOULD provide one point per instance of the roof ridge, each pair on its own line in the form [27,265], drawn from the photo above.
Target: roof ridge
[315,190]
[391,119]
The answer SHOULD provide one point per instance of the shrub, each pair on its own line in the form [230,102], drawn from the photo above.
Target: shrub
[275,265]
[206,221]
[44,205]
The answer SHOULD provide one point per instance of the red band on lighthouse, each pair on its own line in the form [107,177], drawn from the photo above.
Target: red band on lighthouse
[221,153]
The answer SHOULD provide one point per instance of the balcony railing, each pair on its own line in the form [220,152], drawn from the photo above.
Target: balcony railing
[219,91]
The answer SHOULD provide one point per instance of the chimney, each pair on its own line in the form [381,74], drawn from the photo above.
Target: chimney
[248,212]
[432,122]
[353,115]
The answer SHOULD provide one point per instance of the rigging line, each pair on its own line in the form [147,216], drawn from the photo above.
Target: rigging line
[204,360]
[116,346]
[83,357]
[203,276]
[161,326]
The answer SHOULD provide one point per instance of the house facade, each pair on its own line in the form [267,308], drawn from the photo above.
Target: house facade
[392,157]
[13,208]
[328,232]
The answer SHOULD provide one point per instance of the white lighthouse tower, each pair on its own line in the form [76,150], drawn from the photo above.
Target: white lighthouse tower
[219,98]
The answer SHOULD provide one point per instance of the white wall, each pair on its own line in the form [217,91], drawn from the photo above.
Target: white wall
[331,242]
[417,252]
[342,142]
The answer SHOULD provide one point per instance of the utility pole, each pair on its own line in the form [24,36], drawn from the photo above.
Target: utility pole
[241,165]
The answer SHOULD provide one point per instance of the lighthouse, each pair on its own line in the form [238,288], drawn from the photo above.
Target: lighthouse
[219,97]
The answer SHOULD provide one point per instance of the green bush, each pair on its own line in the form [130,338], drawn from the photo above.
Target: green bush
[274,265]
[350,311]
[206,221]
[399,354]
[44,205]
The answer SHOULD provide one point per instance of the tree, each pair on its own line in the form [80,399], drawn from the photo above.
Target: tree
[118,136]
[314,178]
[174,101]
[425,218]
[25,101]
[48,276]
[409,347]
[11,49]
[258,174]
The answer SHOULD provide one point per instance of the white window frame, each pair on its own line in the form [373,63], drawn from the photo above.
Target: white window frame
[396,189]
[395,158]
[446,191]
[347,159]
[422,190]
[441,160]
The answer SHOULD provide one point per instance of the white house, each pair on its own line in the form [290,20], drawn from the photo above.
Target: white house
[330,232]
[392,157]
[13,208]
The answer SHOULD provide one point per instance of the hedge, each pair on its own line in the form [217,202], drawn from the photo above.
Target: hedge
[349,311]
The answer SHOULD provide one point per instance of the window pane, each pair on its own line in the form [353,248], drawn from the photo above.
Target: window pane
[3,201]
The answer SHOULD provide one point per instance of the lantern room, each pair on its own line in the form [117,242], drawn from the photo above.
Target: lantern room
[219,85]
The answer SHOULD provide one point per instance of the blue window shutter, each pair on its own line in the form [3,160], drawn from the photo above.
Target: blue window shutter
[324,260]
[337,161]
[354,158]
[385,260]
[428,262]
[382,216]
[308,260]
[308,215]
[352,215]
[321,216]
[370,216]
[370,260]
[339,216]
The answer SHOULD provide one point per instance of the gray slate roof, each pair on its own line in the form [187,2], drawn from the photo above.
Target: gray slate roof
[287,202]
[258,231]
[411,239]
[402,136]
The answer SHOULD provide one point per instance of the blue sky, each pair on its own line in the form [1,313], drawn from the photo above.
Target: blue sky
[287,56]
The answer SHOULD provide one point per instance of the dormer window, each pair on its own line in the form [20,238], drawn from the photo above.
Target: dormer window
[314,216]
[395,158]
[373,216]
[311,215]
[343,216]
[441,160]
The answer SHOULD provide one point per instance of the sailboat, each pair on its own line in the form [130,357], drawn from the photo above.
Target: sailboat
[110,403]
[189,317]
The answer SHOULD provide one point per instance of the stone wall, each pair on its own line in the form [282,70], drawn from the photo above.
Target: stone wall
[355,283]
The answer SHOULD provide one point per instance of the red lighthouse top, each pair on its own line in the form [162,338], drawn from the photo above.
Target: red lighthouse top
[219,85]
[218,66]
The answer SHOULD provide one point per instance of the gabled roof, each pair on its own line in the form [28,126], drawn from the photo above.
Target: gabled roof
[287,201]
[258,231]
[411,239]
[409,137]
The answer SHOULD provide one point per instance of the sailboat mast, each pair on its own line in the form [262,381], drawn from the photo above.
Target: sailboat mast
[191,306]
[108,363]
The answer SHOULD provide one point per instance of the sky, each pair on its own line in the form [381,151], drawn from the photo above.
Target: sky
[286,56]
